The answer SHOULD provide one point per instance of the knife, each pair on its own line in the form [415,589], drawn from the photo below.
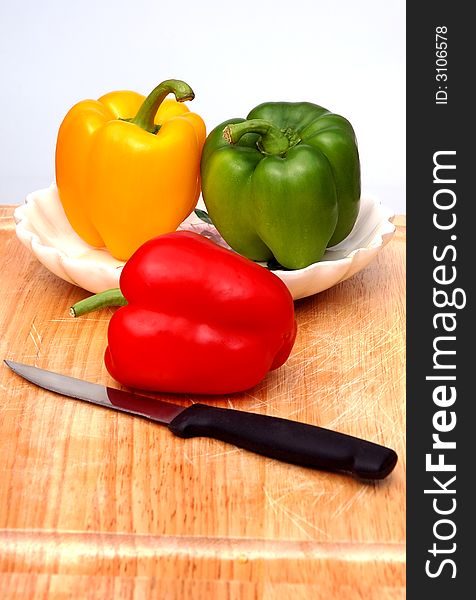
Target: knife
[285,440]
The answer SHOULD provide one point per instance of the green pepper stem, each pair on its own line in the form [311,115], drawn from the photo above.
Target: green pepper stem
[272,140]
[146,114]
[111,297]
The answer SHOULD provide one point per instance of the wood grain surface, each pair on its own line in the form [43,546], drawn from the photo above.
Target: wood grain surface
[96,504]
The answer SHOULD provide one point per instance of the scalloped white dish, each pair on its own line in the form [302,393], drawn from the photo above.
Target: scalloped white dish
[42,226]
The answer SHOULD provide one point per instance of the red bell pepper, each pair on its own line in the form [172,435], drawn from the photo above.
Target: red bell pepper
[199,319]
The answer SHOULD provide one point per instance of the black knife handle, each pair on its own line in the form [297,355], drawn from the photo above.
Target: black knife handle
[288,441]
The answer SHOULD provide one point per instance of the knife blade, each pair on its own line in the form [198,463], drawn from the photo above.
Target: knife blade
[289,441]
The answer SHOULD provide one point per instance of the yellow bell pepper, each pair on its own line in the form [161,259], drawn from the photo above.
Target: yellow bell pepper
[128,167]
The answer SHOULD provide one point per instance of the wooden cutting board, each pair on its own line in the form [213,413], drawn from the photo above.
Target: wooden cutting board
[95,504]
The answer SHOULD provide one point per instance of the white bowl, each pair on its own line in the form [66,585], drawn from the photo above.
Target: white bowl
[43,227]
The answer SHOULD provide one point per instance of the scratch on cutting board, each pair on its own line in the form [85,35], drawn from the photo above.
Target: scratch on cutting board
[35,337]
[213,455]
[367,341]
[15,390]
[330,495]
[300,487]
[72,342]
[187,458]
[258,402]
[298,520]
[21,411]
[346,506]
[354,411]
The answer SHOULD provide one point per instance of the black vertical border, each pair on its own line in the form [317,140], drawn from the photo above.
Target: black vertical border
[435,127]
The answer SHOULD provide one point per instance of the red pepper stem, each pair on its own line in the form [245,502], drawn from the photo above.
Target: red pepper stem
[272,140]
[111,297]
[146,114]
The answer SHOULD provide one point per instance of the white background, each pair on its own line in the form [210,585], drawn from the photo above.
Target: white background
[346,55]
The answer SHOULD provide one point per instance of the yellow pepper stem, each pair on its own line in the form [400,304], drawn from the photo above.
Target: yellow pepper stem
[146,114]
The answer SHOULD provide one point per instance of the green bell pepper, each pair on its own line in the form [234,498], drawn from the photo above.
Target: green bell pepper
[284,183]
